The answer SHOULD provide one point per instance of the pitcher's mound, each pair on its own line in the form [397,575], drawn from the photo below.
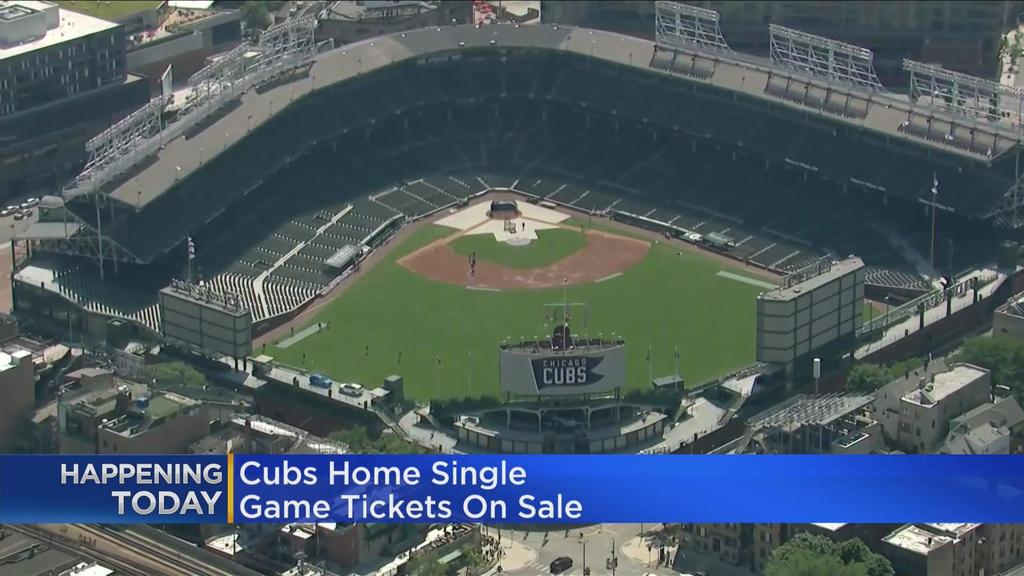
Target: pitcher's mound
[604,255]
[517,241]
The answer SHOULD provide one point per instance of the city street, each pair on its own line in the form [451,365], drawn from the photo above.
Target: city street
[531,552]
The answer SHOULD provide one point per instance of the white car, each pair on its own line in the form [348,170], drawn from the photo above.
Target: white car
[7,212]
[30,203]
[13,208]
[19,215]
[351,389]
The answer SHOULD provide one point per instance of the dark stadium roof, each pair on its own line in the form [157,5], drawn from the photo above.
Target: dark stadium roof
[870,152]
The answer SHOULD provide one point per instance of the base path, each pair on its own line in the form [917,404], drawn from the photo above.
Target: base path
[604,255]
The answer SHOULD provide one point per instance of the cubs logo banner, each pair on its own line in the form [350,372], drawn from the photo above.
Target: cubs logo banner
[567,371]
[532,371]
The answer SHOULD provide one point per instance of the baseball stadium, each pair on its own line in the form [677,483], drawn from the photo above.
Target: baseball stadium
[415,203]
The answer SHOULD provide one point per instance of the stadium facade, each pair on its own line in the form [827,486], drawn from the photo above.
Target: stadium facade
[788,165]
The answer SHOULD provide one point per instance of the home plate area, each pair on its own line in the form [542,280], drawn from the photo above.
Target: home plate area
[509,221]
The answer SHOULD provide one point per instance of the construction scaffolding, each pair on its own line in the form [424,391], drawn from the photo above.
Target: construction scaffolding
[962,94]
[824,58]
[679,25]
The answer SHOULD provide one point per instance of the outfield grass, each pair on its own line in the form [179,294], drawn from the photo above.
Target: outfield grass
[550,247]
[669,299]
[108,9]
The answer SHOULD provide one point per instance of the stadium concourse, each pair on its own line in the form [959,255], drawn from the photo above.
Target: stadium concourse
[424,120]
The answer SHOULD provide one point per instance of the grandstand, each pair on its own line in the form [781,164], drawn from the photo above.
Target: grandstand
[396,129]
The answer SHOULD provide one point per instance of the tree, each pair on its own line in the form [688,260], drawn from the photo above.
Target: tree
[423,567]
[255,15]
[474,559]
[1003,357]
[174,374]
[807,555]
[856,552]
[358,441]
[867,378]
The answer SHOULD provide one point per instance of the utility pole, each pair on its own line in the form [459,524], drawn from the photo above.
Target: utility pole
[583,541]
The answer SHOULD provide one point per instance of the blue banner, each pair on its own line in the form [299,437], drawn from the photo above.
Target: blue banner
[510,489]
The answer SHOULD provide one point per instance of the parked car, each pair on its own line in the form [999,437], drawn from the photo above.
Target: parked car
[352,389]
[561,564]
[7,212]
[320,381]
[19,215]
[29,203]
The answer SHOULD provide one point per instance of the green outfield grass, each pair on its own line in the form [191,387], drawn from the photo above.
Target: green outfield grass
[669,299]
[550,247]
[109,9]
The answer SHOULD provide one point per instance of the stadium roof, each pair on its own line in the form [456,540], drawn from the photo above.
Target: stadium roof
[142,236]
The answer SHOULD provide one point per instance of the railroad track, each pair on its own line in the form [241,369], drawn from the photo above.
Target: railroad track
[125,550]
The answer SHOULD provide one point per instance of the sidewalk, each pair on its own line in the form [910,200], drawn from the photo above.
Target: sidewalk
[515,556]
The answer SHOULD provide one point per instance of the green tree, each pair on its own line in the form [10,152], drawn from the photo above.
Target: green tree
[1003,357]
[255,15]
[856,552]
[174,374]
[867,378]
[807,555]
[474,559]
[421,567]
[357,439]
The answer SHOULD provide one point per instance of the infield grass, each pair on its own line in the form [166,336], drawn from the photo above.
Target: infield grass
[550,247]
[392,321]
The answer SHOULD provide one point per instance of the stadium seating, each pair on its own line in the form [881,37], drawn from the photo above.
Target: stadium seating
[415,139]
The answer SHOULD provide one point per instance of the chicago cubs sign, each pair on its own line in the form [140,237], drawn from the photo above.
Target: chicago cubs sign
[547,372]
[566,371]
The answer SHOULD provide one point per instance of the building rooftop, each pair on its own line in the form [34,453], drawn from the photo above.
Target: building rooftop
[924,538]
[1014,306]
[978,430]
[917,539]
[374,9]
[942,384]
[68,25]
[810,279]
[86,569]
[830,526]
[13,359]
[149,413]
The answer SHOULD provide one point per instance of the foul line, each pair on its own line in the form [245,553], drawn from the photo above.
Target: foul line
[745,279]
[482,289]
[300,335]
[616,275]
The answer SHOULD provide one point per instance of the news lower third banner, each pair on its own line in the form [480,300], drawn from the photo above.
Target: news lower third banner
[510,489]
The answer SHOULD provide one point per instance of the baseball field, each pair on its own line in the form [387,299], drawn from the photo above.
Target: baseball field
[422,313]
